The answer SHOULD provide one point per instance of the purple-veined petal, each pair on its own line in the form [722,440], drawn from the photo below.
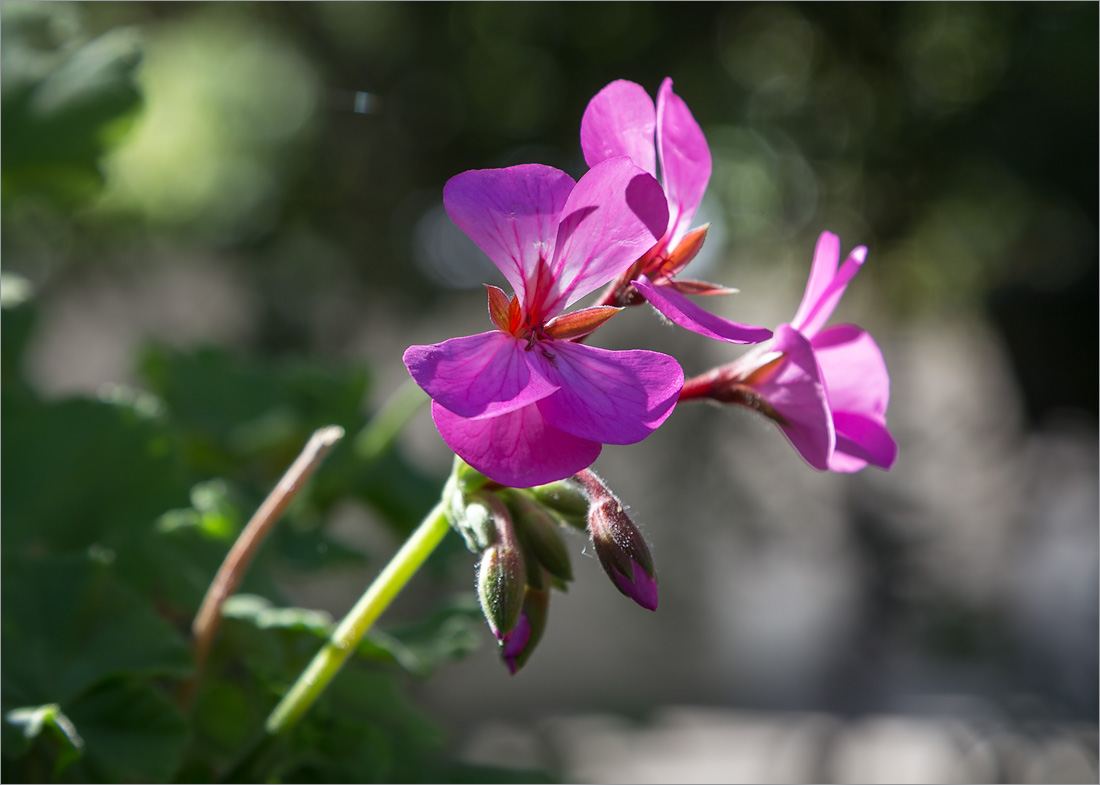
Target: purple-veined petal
[853,370]
[826,284]
[861,440]
[512,214]
[609,397]
[620,120]
[796,392]
[682,311]
[685,160]
[519,448]
[479,375]
[614,215]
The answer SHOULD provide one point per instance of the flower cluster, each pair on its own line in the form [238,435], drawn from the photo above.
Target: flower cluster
[518,534]
[528,403]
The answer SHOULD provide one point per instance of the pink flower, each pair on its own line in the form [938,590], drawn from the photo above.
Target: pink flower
[621,120]
[524,404]
[826,389]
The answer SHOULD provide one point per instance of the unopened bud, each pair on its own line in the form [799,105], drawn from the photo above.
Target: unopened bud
[619,545]
[566,499]
[517,645]
[470,480]
[501,574]
[475,524]
[540,535]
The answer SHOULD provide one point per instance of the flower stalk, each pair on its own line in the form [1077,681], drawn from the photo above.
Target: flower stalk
[328,661]
[240,556]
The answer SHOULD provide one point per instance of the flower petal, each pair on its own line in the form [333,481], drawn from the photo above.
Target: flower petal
[609,397]
[685,160]
[512,214]
[620,120]
[682,311]
[795,391]
[853,370]
[826,284]
[861,440]
[478,375]
[822,272]
[519,448]
[616,213]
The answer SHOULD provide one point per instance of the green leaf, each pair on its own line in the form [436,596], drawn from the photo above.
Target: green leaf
[73,624]
[48,725]
[82,473]
[66,100]
[132,732]
[244,407]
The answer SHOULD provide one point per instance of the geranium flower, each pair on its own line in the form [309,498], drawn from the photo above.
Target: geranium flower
[826,389]
[621,120]
[524,404]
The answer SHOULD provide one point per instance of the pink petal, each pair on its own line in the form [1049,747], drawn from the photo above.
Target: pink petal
[861,440]
[822,272]
[826,285]
[796,392]
[620,121]
[609,397]
[479,375]
[616,213]
[685,160]
[519,448]
[854,372]
[682,311]
[512,214]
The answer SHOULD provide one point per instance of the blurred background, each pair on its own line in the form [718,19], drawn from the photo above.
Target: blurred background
[222,225]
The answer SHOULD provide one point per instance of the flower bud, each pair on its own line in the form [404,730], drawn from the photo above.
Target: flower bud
[538,532]
[619,545]
[566,499]
[470,480]
[623,553]
[516,646]
[475,524]
[501,574]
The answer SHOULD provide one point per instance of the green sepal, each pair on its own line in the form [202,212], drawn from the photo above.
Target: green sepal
[538,530]
[566,500]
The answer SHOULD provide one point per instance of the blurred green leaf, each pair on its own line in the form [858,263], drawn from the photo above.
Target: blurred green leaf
[449,633]
[74,625]
[363,730]
[49,727]
[66,100]
[132,732]
[82,472]
[16,323]
[235,410]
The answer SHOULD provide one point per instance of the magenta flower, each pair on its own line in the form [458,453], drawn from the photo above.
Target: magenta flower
[826,389]
[524,404]
[621,120]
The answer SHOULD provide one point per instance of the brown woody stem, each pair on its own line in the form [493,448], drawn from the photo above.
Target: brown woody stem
[240,556]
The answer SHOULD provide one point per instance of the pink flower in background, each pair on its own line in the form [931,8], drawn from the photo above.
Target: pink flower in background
[621,120]
[826,389]
[524,404]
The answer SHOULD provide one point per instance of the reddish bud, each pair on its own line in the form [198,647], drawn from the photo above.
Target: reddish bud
[684,252]
[687,286]
[498,308]
[619,545]
[577,324]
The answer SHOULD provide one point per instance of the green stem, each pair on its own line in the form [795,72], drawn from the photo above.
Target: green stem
[344,640]
[378,434]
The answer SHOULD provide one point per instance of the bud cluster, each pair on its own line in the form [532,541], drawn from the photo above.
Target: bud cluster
[518,534]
